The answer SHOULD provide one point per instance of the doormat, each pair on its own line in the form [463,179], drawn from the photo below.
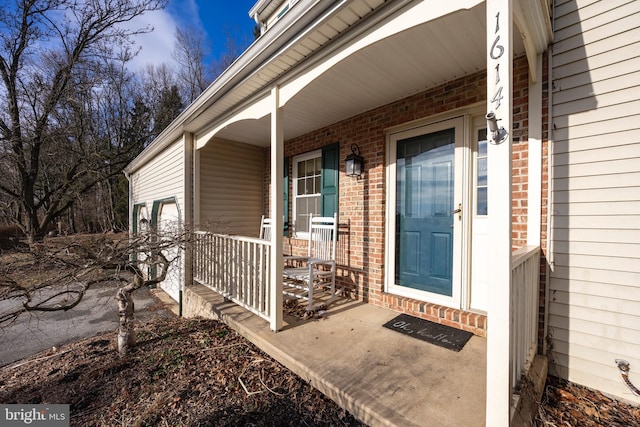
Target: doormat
[431,332]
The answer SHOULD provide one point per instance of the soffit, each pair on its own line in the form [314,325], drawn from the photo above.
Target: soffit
[326,30]
[410,62]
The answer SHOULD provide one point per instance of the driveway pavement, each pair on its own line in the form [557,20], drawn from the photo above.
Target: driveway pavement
[97,312]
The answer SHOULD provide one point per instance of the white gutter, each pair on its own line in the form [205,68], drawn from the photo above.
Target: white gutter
[258,8]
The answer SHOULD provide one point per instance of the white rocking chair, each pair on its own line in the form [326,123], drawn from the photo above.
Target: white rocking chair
[265,228]
[318,268]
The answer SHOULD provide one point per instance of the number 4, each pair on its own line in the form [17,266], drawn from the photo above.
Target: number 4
[497,97]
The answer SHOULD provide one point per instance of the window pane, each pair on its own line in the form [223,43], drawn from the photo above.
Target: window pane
[318,165]
[305,206]
[482,201]
[309,166]
[482,181]
[302,215]
[309,185]
[300,185]
[300,169]
[482,142]
[482,171]
[316,183]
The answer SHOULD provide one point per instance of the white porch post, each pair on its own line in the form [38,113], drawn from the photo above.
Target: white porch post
[277,161]
[188,212]
[499,101]
[534,176]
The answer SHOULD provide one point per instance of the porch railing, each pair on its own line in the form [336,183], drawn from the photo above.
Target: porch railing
[236,267]
[525,278]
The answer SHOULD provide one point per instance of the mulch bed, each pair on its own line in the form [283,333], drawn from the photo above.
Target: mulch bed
[189,372]
[568,404]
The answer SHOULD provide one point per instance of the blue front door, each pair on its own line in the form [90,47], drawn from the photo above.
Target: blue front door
[424,223]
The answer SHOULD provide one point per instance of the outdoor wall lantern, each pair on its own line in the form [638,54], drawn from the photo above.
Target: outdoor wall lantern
[498,134]
[354,162]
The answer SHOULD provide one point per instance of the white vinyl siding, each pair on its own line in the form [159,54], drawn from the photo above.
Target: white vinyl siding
[231,180]
[160,178]
[594,307]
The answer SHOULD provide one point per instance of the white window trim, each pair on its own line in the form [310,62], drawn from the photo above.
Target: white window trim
[294,196]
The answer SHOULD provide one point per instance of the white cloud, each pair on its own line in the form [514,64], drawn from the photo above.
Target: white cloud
[188,12]
[155,47]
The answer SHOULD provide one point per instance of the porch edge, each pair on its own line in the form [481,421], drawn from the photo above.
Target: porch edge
[204,302]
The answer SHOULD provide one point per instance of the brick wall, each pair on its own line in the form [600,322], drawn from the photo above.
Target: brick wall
[520,150]
[362,201]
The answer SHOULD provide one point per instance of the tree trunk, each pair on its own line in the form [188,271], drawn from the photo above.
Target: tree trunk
[72,219]
[126,330]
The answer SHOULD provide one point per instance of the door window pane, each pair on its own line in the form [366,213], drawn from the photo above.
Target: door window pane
[482,181]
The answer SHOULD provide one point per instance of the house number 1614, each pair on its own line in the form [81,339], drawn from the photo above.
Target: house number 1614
[496,53]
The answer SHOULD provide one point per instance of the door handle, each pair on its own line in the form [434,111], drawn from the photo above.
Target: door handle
[458,211]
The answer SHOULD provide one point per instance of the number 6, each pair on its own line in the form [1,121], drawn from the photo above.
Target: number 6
[498,47]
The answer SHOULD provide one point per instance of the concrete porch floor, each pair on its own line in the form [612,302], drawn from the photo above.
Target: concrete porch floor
[382,377]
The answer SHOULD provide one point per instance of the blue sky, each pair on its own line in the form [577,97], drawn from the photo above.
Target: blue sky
[217,18]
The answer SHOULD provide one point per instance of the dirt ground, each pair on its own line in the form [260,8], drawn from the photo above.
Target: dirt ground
[568,404]
[184,372]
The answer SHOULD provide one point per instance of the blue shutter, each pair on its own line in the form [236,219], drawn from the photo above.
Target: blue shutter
[329,180]
[155,211]
[134,227]
[134,218]
[285,186]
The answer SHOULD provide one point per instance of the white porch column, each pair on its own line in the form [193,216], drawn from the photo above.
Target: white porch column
[499,101]
[277,162]
[534,177]
[188,209]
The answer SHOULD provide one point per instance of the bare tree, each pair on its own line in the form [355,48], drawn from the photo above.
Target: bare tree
[153,80]
[73,266]
[189,52]
[52,57]
[234,48]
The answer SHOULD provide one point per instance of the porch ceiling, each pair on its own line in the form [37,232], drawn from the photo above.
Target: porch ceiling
[399,66]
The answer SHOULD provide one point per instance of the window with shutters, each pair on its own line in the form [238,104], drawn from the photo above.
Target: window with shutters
[314,186]
[307,190]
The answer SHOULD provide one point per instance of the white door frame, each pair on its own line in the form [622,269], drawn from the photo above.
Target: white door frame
[461,124]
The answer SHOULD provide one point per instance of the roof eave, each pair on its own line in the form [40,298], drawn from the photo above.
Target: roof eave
[244,65]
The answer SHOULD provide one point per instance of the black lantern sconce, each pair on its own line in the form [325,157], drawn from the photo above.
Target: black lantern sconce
[354,162]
